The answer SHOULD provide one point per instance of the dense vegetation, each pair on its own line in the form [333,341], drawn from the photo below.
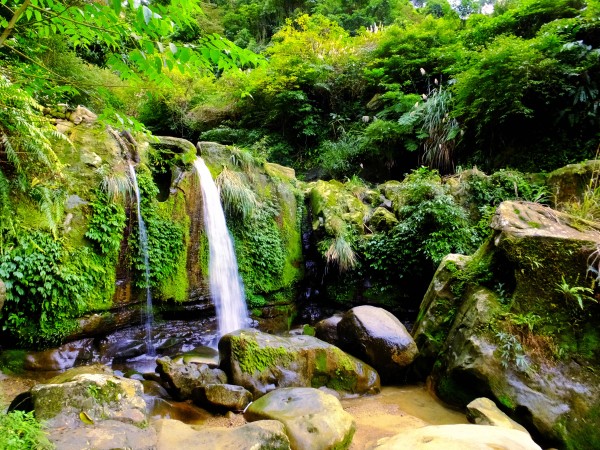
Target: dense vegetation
[362,90]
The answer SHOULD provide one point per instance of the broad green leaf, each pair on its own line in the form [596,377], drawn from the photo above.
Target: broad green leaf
[147,14]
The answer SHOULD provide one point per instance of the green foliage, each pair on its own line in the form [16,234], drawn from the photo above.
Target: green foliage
[575,293]
[340,253]
[106,225]
[511,351]
[165,236]
[431,226]
[237,198]
[46,288]
[21,431]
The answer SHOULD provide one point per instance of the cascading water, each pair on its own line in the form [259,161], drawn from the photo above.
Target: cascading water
[149,315]
[225,283]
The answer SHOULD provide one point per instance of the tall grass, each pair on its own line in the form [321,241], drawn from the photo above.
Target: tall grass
[238,199]
[340,254]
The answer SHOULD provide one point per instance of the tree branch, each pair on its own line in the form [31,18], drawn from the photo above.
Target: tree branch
[11,25]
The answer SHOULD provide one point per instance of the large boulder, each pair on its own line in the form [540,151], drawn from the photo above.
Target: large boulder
[262,435]
[379,338]
[518,322]
[90,398]
[262,362]
[459,437]
[313,419]
[569,183]
[326,329]
[184,378]
[105,435]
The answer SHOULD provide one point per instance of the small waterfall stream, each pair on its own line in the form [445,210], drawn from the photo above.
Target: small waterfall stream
[149,315]
[225,283]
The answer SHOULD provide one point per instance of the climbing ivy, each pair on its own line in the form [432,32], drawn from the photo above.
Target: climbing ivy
[106,224]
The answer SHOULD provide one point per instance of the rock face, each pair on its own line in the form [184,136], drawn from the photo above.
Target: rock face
[61,358]
[459,437]
[568,183]
[262,435]
[98,397]
[313,419]
[184,378]
[518,322]
[261,362]
[379,338]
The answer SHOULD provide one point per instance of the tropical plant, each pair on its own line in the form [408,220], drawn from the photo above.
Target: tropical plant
[22,431]
[575,293]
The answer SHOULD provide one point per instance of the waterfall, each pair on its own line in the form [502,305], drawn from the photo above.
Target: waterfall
[225,283]
[148,316]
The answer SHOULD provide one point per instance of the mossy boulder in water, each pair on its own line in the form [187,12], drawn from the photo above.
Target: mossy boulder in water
[520,324]
[313,420]
[223,396]
[378,337]
[262,362]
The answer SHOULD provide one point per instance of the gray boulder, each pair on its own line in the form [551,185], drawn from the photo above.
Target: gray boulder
[313,419]
[223,396]
[263,435]
[90,398]
[459,437]
[261,362]
[183,378]
[379,338]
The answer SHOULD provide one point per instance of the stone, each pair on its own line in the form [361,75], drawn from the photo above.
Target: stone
[223,396]
[261,362]
[459,437]
[184,378]
[382,220]
[61,358]
[568,183]
[313,419]
[98,396]
[326,329]
[278,171]
[91,159]
[200,355]
[520,284]
[105,435]
[261,435]
[483,411]
[82,114]
[177,145]
[379,338]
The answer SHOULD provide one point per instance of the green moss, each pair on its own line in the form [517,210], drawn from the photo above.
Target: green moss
[507,402]
[253,358]
[582,433]
[12,361]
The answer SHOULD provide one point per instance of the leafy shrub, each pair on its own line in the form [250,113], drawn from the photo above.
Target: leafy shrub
[431,226]
[106,225]
[45,289]
[21,431]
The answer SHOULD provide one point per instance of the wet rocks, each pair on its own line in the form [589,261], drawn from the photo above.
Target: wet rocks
[97,397]
[313,419]
[379,338]
[326,329]
[261,363]
[483,411]
[223,396]
[61,358]
[106,435]
[262,435]
[184,378]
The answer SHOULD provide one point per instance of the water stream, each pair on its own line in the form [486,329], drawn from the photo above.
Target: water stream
[225,283]
[148,313]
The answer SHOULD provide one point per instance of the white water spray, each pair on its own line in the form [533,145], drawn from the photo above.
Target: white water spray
[149,315]
[225,283]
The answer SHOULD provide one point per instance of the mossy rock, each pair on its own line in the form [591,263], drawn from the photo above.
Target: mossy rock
[382,220]
[569,183]
[260,362]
